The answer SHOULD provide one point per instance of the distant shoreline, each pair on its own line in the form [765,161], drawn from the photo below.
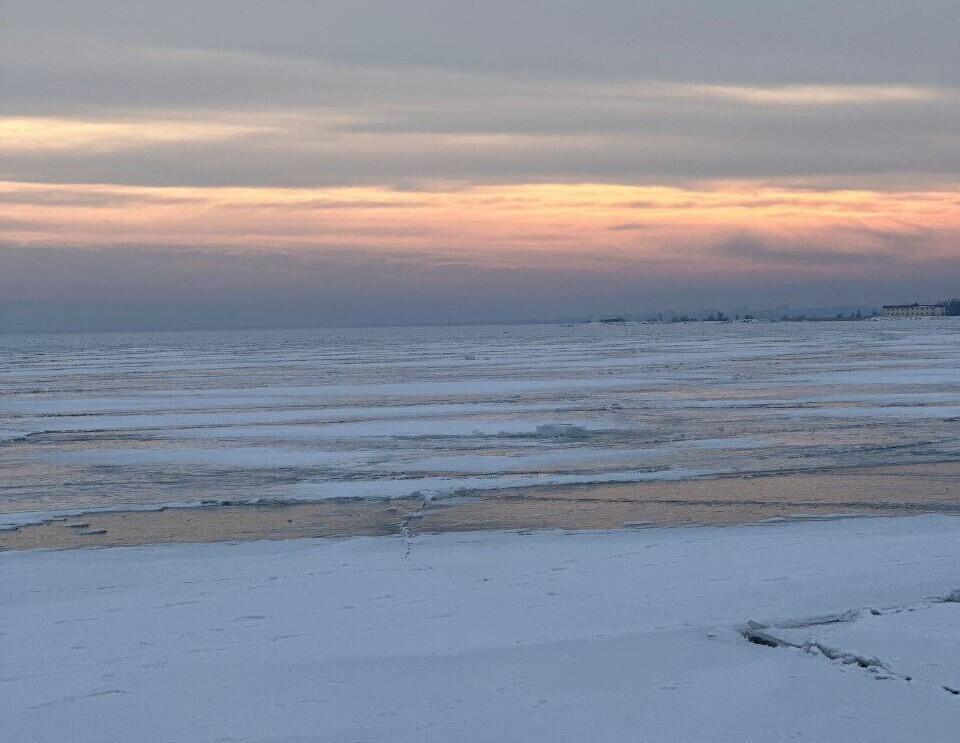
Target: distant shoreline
[630,320]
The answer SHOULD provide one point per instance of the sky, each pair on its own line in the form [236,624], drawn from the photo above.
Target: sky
[243,164]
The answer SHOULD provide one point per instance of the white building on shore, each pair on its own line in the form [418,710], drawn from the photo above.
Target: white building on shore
[913,310]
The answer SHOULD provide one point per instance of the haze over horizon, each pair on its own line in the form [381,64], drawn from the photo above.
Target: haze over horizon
[231,164]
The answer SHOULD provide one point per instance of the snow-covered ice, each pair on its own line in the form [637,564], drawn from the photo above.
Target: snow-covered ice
[551,636]
[916,642]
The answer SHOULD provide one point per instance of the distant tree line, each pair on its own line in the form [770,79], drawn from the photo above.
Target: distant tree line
[724,317]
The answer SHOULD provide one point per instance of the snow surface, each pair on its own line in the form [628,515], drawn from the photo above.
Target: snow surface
[551,636]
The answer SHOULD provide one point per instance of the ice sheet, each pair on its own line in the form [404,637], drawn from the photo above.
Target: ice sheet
[119,419]
[476,637]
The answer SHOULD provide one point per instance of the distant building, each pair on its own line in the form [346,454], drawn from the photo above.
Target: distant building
[914,310]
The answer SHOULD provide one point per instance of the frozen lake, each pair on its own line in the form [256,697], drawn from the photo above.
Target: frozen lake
[148,418]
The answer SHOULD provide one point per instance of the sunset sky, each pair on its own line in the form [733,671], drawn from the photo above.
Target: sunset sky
[319,163]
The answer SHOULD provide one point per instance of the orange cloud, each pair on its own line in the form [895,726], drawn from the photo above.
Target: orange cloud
[510,226]
[25,134]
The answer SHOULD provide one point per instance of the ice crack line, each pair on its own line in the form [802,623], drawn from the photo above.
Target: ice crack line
[767,635]
[758,634]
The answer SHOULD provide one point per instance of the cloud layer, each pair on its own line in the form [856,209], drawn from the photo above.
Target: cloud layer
[708,145]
